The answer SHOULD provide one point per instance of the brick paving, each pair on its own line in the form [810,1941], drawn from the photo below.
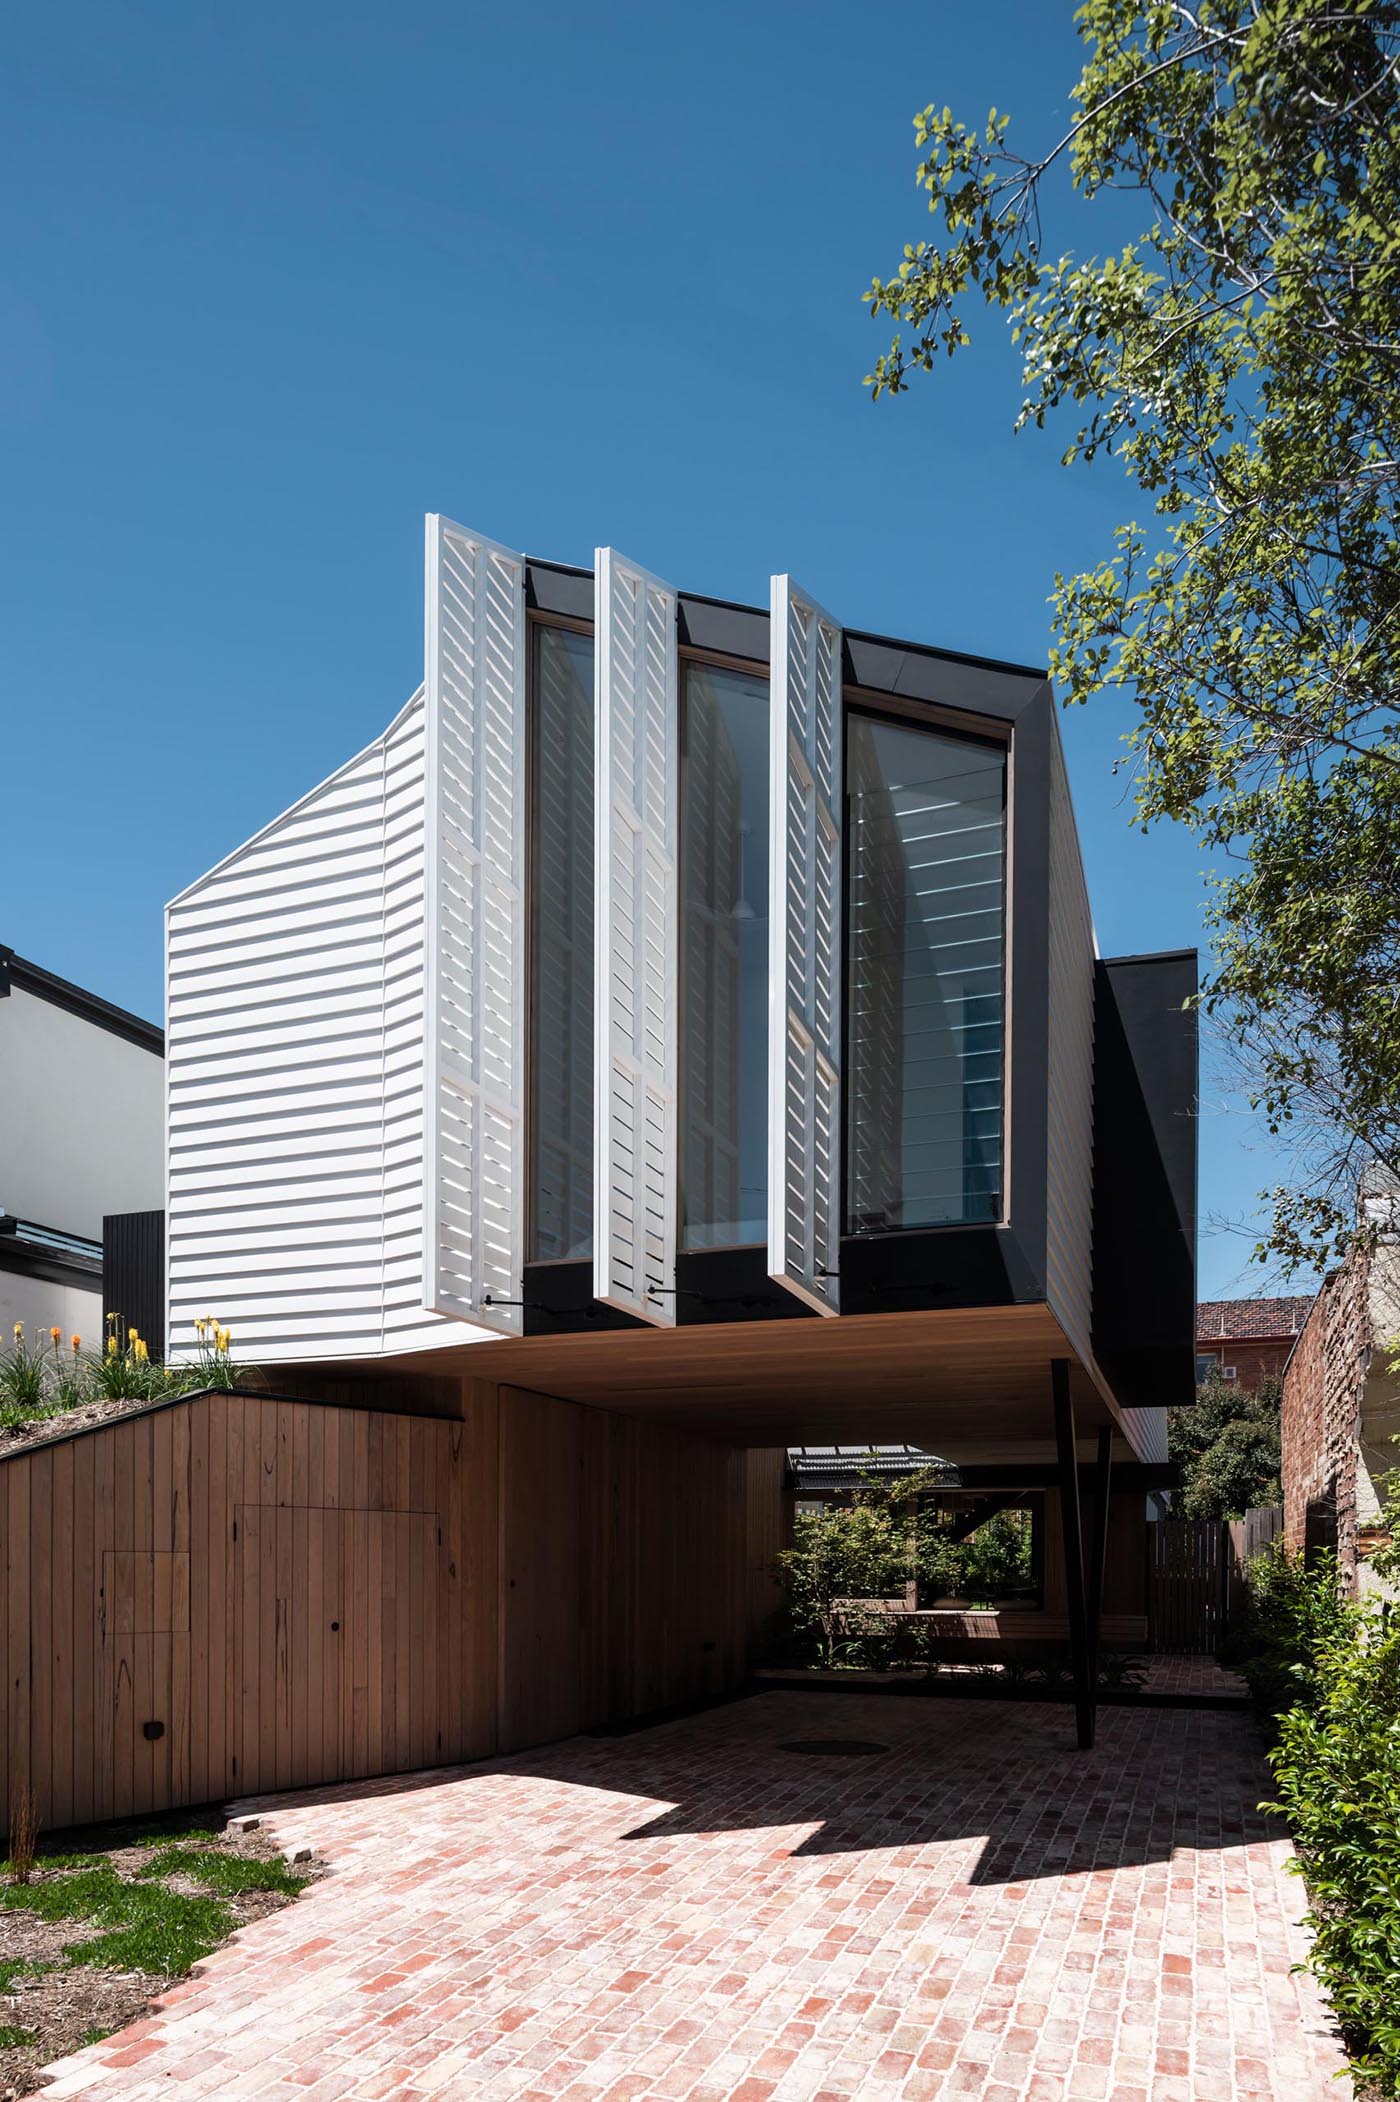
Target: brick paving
[694,1914]
[1192,1676]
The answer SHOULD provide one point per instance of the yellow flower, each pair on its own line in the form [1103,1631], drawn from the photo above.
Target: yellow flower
[111,1346]
[131,1335]
[142,1353]
[223,1340]
[19,1330]
[199,1324]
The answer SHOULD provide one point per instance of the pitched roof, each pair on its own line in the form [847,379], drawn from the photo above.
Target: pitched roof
[1235,1320]
[847,1466]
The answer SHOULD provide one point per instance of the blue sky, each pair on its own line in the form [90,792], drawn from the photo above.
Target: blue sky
[276,281]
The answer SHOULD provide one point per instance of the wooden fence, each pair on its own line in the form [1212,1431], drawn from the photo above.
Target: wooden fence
[1195,1577]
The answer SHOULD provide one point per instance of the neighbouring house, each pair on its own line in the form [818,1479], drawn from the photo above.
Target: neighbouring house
[1341,1411]
[1247,1339]
[82,1135]
[678,1037]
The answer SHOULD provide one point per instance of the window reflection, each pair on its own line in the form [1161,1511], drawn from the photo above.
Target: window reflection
[925,817]
[724,958]
[561,946]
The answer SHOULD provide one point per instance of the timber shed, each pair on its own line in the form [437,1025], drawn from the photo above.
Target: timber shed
[237,1592]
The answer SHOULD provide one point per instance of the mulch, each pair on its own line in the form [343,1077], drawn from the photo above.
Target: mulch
[65,2007]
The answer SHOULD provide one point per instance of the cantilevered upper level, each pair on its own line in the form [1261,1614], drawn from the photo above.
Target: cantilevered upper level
[670,964]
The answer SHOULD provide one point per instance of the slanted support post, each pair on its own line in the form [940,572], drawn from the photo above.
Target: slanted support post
[1098,1547]
[1076,1603]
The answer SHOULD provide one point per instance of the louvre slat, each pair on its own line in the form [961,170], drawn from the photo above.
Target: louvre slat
[636,947]
[804,953]
[475,797]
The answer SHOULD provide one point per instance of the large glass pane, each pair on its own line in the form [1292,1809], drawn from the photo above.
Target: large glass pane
[561,947]
[925,817]
[724,934]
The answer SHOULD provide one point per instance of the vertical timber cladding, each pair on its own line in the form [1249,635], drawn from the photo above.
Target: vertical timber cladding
[236,1593]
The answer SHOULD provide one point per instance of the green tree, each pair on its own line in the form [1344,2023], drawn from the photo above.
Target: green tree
[1240,358]
[1227,1448]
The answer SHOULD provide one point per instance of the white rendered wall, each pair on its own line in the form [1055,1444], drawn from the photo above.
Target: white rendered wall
[42,1304]
[80,1119]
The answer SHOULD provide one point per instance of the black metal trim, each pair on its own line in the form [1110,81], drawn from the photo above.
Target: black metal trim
[558,1301]
[1098,1548]
[50,1265]
[728,630]
[17,973]
[1144,1177]
[1076,1607]
[554,587]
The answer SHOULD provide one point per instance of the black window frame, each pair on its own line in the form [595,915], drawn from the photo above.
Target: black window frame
[937,723]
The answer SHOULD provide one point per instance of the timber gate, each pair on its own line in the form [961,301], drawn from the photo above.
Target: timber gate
[1188,1585]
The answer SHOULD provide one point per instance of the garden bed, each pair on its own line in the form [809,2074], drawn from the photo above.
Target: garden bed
[20,1429]
[110,1916]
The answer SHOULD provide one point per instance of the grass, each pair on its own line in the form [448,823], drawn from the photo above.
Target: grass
[20,1967]
[226,1873]
[149,1927]
[13,2038]
[196,1836]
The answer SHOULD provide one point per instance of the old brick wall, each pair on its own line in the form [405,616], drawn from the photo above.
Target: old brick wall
[1322,1398]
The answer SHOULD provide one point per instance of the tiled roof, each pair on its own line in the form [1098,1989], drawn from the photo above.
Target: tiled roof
[846,1466]
[1234,1320]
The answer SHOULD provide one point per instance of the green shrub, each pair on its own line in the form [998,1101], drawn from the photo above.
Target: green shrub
[1292,1614]
[892,1533]
[1336,1764]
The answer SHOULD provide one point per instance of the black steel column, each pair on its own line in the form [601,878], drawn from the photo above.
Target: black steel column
[1098,1547]
[1075,1603]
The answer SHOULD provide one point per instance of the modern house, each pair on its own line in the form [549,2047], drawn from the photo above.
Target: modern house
[1248,1339]
[82,1091]
[678,1037]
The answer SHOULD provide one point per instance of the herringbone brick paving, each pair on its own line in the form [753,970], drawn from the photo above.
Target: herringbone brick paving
[694,1914]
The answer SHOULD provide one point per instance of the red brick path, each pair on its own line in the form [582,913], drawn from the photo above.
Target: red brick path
[1190,1675]
[693,1914]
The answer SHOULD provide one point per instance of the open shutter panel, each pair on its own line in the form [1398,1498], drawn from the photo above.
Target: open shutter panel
[637,941]
[474,1166]
[804,1014]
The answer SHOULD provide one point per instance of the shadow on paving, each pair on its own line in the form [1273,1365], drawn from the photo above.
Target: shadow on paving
[1009,1776]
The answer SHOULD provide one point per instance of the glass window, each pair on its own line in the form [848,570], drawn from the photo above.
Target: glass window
[724,958]
[925,819]
[561,946]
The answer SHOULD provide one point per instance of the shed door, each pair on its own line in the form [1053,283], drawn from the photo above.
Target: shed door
[338,1619]
[144,1620]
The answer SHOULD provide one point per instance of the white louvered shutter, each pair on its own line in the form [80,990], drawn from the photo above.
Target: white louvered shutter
[474,1167]
[804,1009]
[637,943]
